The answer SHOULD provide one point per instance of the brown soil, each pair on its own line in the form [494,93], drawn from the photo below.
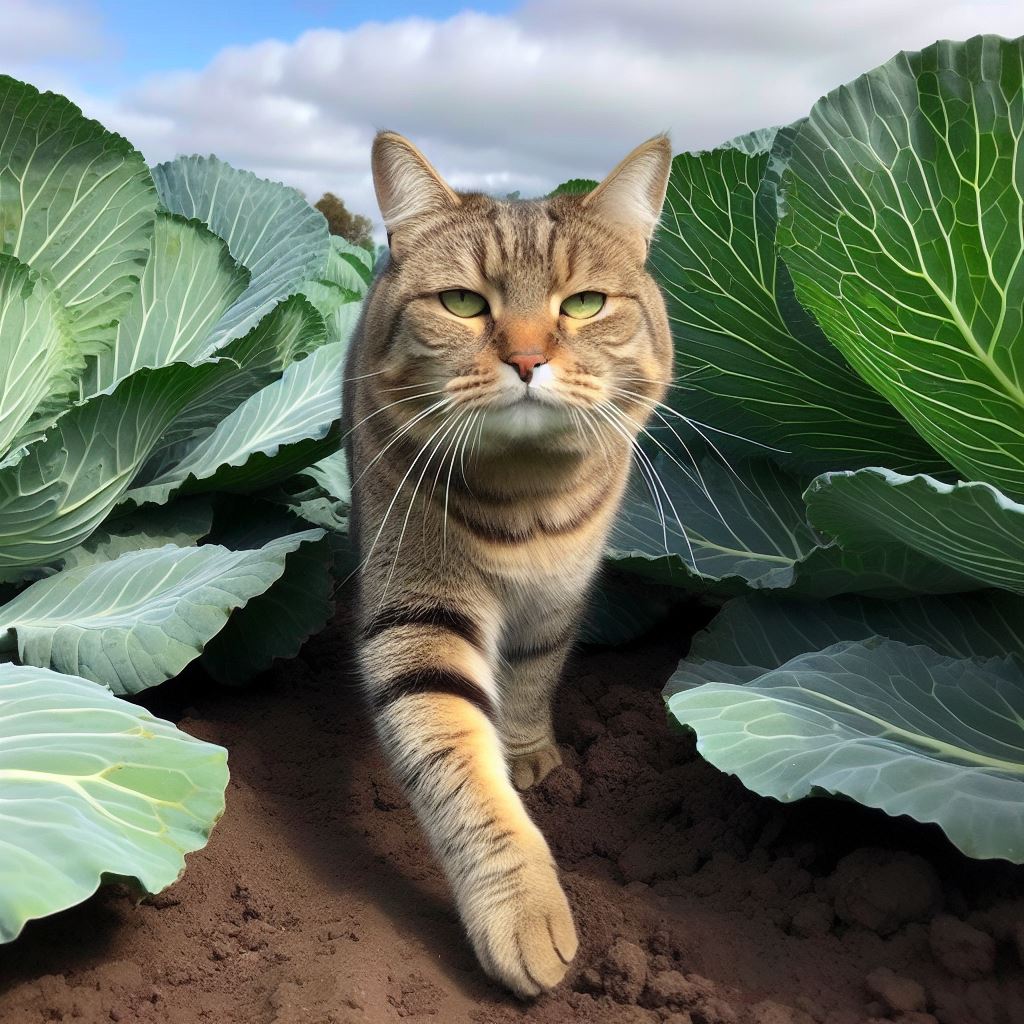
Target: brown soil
[697,903]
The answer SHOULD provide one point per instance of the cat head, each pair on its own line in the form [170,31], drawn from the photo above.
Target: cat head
[538,316]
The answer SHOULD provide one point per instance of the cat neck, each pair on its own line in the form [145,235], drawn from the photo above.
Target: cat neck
[531,469]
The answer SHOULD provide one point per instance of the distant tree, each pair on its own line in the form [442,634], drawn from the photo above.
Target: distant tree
[340,221]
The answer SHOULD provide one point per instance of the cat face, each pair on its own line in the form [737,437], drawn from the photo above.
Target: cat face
[533,322]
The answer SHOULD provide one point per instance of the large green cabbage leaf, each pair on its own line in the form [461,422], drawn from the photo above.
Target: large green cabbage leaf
[68,482]
[891,725]
[188,282]
[905,200]
[273,434]
[969,526]
[339,307]
[276,623]
[289,332]
[724,530]
[77,204]
[758,632]
[139,619]
[744,526]
[349,265]
[183,523]
[339,294]
[269,229]
[38,361]
[749,359]
[90,787]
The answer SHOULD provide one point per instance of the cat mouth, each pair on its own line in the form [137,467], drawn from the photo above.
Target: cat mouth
[526,414]
[526,396]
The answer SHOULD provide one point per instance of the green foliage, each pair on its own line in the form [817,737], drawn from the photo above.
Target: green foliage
[968,526]
[149,354]
[814,693]
[845,295]
[724,530]
[190,268]
[296,605]
[270,230]
[93,786]
[140,618]
[903,235]
[575,187]
[892,725]
[342,223]
[42,361]
[77,203]
[757,364]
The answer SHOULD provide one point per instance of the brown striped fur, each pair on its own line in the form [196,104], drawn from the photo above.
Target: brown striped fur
[481,505]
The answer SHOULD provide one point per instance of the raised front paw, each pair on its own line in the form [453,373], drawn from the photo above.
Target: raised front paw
[528,769]
[521,927]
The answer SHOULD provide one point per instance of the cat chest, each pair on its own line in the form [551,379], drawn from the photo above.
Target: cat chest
[535,604]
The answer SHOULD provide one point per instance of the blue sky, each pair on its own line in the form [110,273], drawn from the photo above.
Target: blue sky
[153,37]
[500,95]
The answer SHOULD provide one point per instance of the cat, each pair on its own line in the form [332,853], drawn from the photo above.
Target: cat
[506,357]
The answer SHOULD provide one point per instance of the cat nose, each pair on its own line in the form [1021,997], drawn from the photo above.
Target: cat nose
[525,363]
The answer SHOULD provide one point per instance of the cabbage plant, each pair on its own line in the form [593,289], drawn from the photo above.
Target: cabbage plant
[171,340]
[842,461]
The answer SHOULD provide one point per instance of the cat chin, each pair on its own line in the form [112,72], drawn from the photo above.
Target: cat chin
[526,420]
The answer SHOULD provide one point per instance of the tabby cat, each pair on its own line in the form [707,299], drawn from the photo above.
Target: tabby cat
[508,354]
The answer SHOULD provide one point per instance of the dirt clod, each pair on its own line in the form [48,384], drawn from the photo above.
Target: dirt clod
[812,917]
[668,988]
[884,889]
[898,993]
[769,1012]
[625,971]
[962,949]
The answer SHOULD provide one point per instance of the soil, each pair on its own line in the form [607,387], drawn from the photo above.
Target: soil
[316,901]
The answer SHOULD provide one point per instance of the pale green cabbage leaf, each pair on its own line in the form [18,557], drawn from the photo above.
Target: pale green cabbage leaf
[93,787]
[894,726]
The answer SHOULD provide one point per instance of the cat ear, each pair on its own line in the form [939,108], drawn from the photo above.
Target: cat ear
[406,185]
[633,193]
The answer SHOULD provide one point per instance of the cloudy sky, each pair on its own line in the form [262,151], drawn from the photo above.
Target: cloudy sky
[501,96]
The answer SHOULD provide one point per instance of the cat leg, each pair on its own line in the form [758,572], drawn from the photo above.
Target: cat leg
[429,675]
[532,667]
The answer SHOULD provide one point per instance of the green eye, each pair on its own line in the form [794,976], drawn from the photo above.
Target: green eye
[583,305]
[462,302]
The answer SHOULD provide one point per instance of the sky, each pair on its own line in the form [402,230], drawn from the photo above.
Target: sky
[501,96]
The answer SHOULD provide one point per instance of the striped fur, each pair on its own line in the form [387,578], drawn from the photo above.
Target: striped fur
[481,505]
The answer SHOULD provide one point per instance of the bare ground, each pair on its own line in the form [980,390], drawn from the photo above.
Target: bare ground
[316,901]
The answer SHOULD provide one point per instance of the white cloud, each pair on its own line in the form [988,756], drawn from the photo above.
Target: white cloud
[800,28]
[561,88]
[40,30]
[44,42]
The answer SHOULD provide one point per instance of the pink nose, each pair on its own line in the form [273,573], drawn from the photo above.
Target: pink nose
[525,363]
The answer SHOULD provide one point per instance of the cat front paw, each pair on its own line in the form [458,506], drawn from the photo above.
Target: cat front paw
[528,769]
[522,930]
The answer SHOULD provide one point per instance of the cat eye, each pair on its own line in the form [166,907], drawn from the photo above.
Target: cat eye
[583,305]
[462,302]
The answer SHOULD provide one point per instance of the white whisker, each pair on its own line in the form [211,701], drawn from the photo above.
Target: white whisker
[460,441]
[697,425]
[699,480]
[400,433]
[445,427]
[647,469]
[384,408]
